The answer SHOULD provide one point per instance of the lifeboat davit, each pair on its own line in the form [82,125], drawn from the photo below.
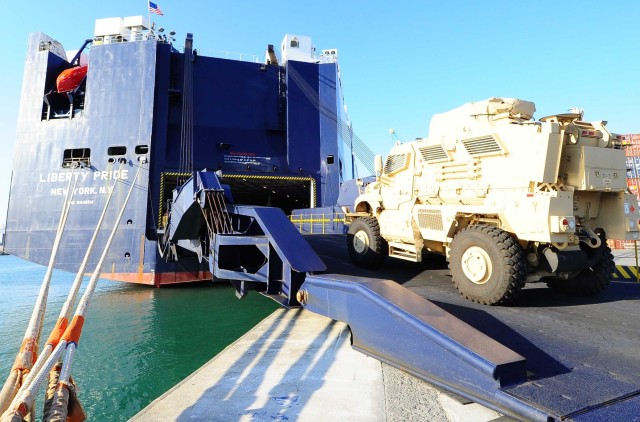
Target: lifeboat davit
[70,79]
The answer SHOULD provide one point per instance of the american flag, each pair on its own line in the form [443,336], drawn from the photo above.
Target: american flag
[155,9]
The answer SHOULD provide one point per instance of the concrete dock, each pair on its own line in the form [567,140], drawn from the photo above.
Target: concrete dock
[296,365]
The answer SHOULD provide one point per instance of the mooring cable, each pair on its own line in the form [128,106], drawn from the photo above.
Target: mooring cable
[28,352]
[23,403]
[72,335]
[65,312]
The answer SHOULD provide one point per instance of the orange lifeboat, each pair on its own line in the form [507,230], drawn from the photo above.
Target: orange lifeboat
[70,79]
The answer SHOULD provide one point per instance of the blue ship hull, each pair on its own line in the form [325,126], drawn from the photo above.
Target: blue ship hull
[275,132]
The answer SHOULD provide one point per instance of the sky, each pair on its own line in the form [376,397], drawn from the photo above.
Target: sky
[400,61]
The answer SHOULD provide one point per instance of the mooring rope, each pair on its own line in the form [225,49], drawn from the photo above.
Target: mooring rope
[65,312]
[67,408]
[28,353]
[72,335]
[23,404]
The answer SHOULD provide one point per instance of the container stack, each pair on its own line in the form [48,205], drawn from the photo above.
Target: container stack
[631,145]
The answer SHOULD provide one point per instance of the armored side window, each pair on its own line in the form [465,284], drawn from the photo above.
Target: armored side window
[142,149]
[76,156]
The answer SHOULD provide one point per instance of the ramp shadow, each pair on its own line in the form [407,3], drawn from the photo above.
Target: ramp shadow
[239,392]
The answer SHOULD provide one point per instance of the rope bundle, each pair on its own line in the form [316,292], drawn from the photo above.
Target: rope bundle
[61,402]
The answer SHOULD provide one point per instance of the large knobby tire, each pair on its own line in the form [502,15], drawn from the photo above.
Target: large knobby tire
[367,248]
[488,266]
[591,280]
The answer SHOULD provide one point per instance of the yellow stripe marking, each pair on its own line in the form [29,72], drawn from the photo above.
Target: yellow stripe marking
[241,176]
[623,273]
[294,178]
[634,271]
[317,220]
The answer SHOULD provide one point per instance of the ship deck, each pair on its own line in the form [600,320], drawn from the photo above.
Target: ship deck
[580,352]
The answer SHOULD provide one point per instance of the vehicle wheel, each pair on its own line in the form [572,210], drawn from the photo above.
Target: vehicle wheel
[488,266]
[367,248]
[589,281]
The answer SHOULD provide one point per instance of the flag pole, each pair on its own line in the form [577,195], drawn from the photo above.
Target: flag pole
[149,19]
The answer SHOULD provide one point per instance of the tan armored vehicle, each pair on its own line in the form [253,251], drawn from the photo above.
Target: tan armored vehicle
[507,200]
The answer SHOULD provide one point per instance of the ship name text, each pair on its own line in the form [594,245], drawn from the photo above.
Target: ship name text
[95,175]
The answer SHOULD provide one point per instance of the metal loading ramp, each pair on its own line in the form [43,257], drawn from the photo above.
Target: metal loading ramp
[399,327]
[582,353]
[396,326]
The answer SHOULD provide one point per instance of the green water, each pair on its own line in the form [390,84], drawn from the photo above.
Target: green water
[137,342]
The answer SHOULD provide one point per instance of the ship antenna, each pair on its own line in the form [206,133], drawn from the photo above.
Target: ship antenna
[186,135]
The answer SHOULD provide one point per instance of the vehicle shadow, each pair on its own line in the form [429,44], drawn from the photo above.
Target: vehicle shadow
[434,268]
[332,250]
[539,363]
[538,295]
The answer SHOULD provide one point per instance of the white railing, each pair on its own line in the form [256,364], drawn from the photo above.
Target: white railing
[230,55]
[131,36]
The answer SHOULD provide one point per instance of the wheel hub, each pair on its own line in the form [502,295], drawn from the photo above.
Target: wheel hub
[476,265]
[360,241]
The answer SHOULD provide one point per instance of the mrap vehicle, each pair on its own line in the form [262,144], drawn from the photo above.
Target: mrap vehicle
[507,199]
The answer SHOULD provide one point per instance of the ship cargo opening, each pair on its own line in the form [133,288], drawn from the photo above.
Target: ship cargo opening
[284,192]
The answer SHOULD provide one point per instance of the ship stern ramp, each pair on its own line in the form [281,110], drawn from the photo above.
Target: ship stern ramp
[267,254]
[254,247]
[403,329]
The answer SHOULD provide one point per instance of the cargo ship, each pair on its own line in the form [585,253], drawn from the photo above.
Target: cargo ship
[275,131]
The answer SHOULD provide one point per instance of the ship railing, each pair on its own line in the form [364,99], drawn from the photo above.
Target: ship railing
[127,36]
[230,55]
[320,223]
[110,39]
[139,36]
[327,58]
[49,44]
